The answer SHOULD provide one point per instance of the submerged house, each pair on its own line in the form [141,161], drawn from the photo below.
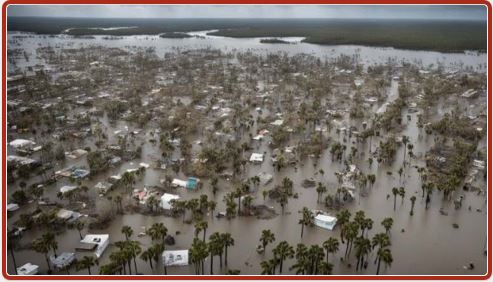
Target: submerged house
[96,243]
[175,258]
[166,200]
[256,158]
[325,221]
[28,269]
[191,183]
[63,260]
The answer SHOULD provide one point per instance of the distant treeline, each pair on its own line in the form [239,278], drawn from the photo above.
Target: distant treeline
[437,35]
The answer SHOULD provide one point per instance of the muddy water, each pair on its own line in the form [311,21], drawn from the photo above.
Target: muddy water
[366,55]
[425,243]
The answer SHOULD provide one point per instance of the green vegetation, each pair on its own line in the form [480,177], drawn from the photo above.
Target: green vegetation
[174,35]
[443,35]
[273,41]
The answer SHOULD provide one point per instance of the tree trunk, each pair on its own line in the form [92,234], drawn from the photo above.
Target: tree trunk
[280,266]
[378,266]
[212,263]
[135,265]
[89,270]
[13,260]
[48,262]
[226,256]
[302,228]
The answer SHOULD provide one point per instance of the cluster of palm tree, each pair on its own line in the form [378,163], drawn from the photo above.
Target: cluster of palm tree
[309,260]
[44,244]
[128,251]
[217,246]
[196,206]
[362,244]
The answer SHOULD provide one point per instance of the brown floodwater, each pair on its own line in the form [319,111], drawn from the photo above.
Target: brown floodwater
[425,243]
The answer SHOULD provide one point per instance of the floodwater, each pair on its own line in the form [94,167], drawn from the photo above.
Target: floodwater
[425,243]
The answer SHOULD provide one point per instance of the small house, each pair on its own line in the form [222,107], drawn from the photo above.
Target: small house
[94,242]
[256,158]
[28,269]
[166,200]
[175,258]
[63,260]
[325,221]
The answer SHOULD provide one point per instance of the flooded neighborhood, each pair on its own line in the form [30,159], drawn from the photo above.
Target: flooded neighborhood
[198,153]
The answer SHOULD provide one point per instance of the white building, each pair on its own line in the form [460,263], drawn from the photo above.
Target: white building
[325,221]
[22,143]
[28,269]
[166,200]
[95,242]
[175,258]
[257,158]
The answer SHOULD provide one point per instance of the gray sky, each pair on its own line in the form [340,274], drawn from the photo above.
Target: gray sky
[470,12]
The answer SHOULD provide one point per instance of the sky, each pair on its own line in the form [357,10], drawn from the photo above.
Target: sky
[464,12]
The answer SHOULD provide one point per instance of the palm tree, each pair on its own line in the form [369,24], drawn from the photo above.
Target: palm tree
[402,193]
[12,243]
[363,247]
[351,232]
[201,226]
[267,237]
[405,140]
[395,191]
[283,251]
[127,231]
[384,255]
[325,268]
[227,241]
[40,246]
[331,245]
[413,200]
[86,262]
[134,249]
[147,256]
[387,224]
[269,267]
[315,255]
[118,201]
[380,240]
[302,261]
[321,189]
[198,253]
[215,247]
[343,218]
[158,231]
[128,179]
[50,240]
[307,219]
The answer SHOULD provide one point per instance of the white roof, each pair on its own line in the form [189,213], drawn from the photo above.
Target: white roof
[166,199]
[19,143]
[67,188]
[12,207]
[178,182]
[27,269]
[325,221]
[256,157]
[175,258]
[278,122]
[101,240]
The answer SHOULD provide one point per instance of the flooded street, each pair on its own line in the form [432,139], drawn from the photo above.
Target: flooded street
[426,243]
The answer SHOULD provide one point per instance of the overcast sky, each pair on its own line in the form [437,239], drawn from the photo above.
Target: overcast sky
[470,12]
